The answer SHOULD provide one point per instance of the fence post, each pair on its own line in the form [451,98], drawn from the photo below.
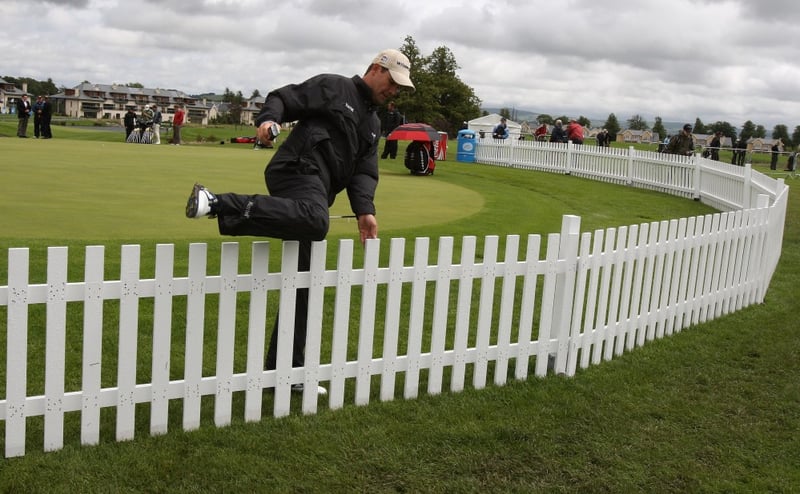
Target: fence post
[565,287]
[697,173]
[629,178]
[568,166]
[747,183]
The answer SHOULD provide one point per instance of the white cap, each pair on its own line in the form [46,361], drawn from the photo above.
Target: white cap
[398,65]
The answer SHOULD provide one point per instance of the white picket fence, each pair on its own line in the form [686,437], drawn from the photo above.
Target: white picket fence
[557,303]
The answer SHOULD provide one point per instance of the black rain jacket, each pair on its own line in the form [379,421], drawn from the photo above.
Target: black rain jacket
[337,126]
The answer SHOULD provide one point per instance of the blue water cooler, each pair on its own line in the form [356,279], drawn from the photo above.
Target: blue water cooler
[467,146]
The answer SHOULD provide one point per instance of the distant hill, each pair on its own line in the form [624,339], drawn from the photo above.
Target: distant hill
[530,116]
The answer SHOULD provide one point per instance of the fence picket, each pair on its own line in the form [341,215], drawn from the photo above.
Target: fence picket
[441,306]
[416,318]
[256,330]
[55,348]
[465,282]
[195,328]
[316,291]
[485,312]
[128,341]
[394,294]
[162,343]
[366,326]
[92,360]
[285,328]
[506,309]
[527,307]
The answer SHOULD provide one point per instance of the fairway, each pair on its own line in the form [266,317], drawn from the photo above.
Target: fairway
[70,190]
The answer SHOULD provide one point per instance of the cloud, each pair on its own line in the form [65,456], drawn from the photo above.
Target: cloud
[726,60]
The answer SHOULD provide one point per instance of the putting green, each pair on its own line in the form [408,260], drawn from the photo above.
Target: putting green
[95,191]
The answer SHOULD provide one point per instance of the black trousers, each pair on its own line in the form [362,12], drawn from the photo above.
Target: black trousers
[389,149]
[296,209]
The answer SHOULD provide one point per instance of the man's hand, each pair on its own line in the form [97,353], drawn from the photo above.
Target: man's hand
[264,137]
[367,227]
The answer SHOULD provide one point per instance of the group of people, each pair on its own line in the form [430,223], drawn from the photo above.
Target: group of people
[572,132]
[152,118]
[42,112]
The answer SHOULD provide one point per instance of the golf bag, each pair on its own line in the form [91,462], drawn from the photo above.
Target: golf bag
[420,158]
[134,137]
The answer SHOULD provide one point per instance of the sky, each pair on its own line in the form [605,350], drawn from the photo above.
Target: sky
[717,60]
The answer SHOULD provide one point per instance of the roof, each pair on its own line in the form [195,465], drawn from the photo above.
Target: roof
[490,121]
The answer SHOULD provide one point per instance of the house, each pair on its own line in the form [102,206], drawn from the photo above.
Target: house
[637,136]
[111,101]
[484,126]
[9,93]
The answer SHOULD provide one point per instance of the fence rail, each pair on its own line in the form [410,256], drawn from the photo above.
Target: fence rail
[519,307]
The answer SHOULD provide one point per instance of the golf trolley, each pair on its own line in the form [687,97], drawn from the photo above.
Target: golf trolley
[142,134]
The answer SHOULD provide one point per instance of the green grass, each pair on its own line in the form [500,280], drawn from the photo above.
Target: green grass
[713,409]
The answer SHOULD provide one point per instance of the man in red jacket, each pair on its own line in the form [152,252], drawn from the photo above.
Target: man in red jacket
[575,132]
[177,124]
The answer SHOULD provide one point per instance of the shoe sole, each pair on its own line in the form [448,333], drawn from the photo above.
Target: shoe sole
[192,203]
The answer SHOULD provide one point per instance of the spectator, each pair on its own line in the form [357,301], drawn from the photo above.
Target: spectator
[177,124]
[333,147]
[541,132]
[776,151]
[602,138]
[47,117]
[741,151]
[682,143]
[390,122]
[558,134]
[129,122]
[37,116]
[575,132]
[500,130]
[23,114]
[714,145]
[147,118]
[156,125]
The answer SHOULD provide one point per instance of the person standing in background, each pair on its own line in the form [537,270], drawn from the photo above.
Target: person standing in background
[37,116]
[47,117]
[23,114]
[156,125]
[391,121]
[177,123]
[130,122]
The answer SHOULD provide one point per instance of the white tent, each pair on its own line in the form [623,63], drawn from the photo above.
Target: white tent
[489,122]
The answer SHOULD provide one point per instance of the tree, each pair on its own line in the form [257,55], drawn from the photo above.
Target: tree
[781,132]
[659,129]
[796,137]
[699,127]
[727,129]
[441,99]
[585,122]
[256,94]
[748,130]
[636,122]
[544,118]
[34,87]
[612,126]
[137,85]
[760,132]
[505,113]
